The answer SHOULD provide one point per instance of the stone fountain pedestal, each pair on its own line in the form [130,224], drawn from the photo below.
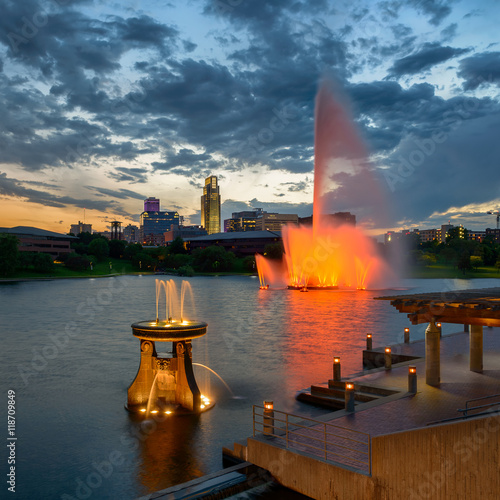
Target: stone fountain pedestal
[173,374]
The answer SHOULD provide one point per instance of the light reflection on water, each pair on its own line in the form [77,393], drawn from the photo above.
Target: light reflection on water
[265,344]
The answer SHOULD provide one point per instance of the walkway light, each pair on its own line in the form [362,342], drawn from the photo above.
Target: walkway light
[407,335]
[349,397]
[412,379]
[336,369]
[387,358]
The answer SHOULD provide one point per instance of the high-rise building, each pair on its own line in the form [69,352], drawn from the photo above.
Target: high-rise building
[157,223]
[274,222]
[210,206]
[152,204]
[81,227]
[154,222]
[242,221]
[131,234]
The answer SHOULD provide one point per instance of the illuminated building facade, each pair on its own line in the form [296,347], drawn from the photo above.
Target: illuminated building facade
[152,204]
[210,206]
[81,227]
[157,223]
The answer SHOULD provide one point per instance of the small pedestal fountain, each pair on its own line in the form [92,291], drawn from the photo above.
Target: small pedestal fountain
[166,384]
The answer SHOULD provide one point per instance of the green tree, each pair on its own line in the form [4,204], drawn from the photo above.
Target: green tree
[464,263]
[497,265]
[9,254]
[100,248]
[43,263]
[144,261]
[177,246]
[427,259]
[476,261]
[25,259]
[274,251]
[77,262]
[249,263]
[132,250]
[117,248]
[213,258]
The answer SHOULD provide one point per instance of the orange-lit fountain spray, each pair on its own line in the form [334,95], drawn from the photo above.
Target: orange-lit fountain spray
[329,254]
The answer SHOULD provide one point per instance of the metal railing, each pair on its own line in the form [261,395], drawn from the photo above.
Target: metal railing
[345,447]
[484,409]
[481,407]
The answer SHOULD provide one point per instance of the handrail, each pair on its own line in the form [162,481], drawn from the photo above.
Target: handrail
[341,445]
[488,405]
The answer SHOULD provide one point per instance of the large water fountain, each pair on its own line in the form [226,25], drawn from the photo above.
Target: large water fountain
[328,254]
[165,383]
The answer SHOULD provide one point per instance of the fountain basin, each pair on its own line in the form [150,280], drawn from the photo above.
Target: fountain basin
[169,331]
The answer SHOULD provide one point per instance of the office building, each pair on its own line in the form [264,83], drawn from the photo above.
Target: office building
[152,204]
[131,234]
[210,206]
[494,233]
[336,219]
[81,227]
[274,222]
[240,243]
[155,223]
[183,232]
[33,239]
[243,221]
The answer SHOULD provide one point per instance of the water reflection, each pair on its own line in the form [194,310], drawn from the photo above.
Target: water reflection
[168,451]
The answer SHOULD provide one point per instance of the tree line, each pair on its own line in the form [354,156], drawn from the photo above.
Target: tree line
[457,251]
[91,249]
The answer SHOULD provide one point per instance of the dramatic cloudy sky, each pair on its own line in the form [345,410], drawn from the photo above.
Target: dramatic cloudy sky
[104,103]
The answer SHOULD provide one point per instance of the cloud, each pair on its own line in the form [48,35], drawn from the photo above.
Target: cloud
[121,194]
[428,56]
[129,174]
[14,188]
[480,70]
[437,10]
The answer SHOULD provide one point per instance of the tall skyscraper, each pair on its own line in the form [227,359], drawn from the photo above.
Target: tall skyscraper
[210,206]
[152,204]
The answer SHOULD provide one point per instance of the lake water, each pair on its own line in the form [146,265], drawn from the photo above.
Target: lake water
[69,355]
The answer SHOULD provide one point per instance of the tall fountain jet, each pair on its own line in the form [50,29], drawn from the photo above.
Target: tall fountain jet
[327,254]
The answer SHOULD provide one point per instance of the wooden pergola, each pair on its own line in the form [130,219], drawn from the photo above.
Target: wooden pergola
[476,308]
[466,307]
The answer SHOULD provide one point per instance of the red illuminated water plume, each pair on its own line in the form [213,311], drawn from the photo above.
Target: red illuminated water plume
[327,254]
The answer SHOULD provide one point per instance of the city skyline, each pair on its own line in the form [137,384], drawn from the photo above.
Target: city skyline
[149,102]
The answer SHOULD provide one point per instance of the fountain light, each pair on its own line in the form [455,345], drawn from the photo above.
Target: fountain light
[154,411]
[168,412]
[143,410]
[202,406]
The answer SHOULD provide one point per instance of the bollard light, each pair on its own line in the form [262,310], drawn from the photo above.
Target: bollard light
[336,369]
[387,358]
[412,379]
[349,397]
[268,418]
[369,342]
[407,335]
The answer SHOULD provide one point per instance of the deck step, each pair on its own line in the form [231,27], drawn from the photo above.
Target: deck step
[364,388]
[361,396]
[325,401]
